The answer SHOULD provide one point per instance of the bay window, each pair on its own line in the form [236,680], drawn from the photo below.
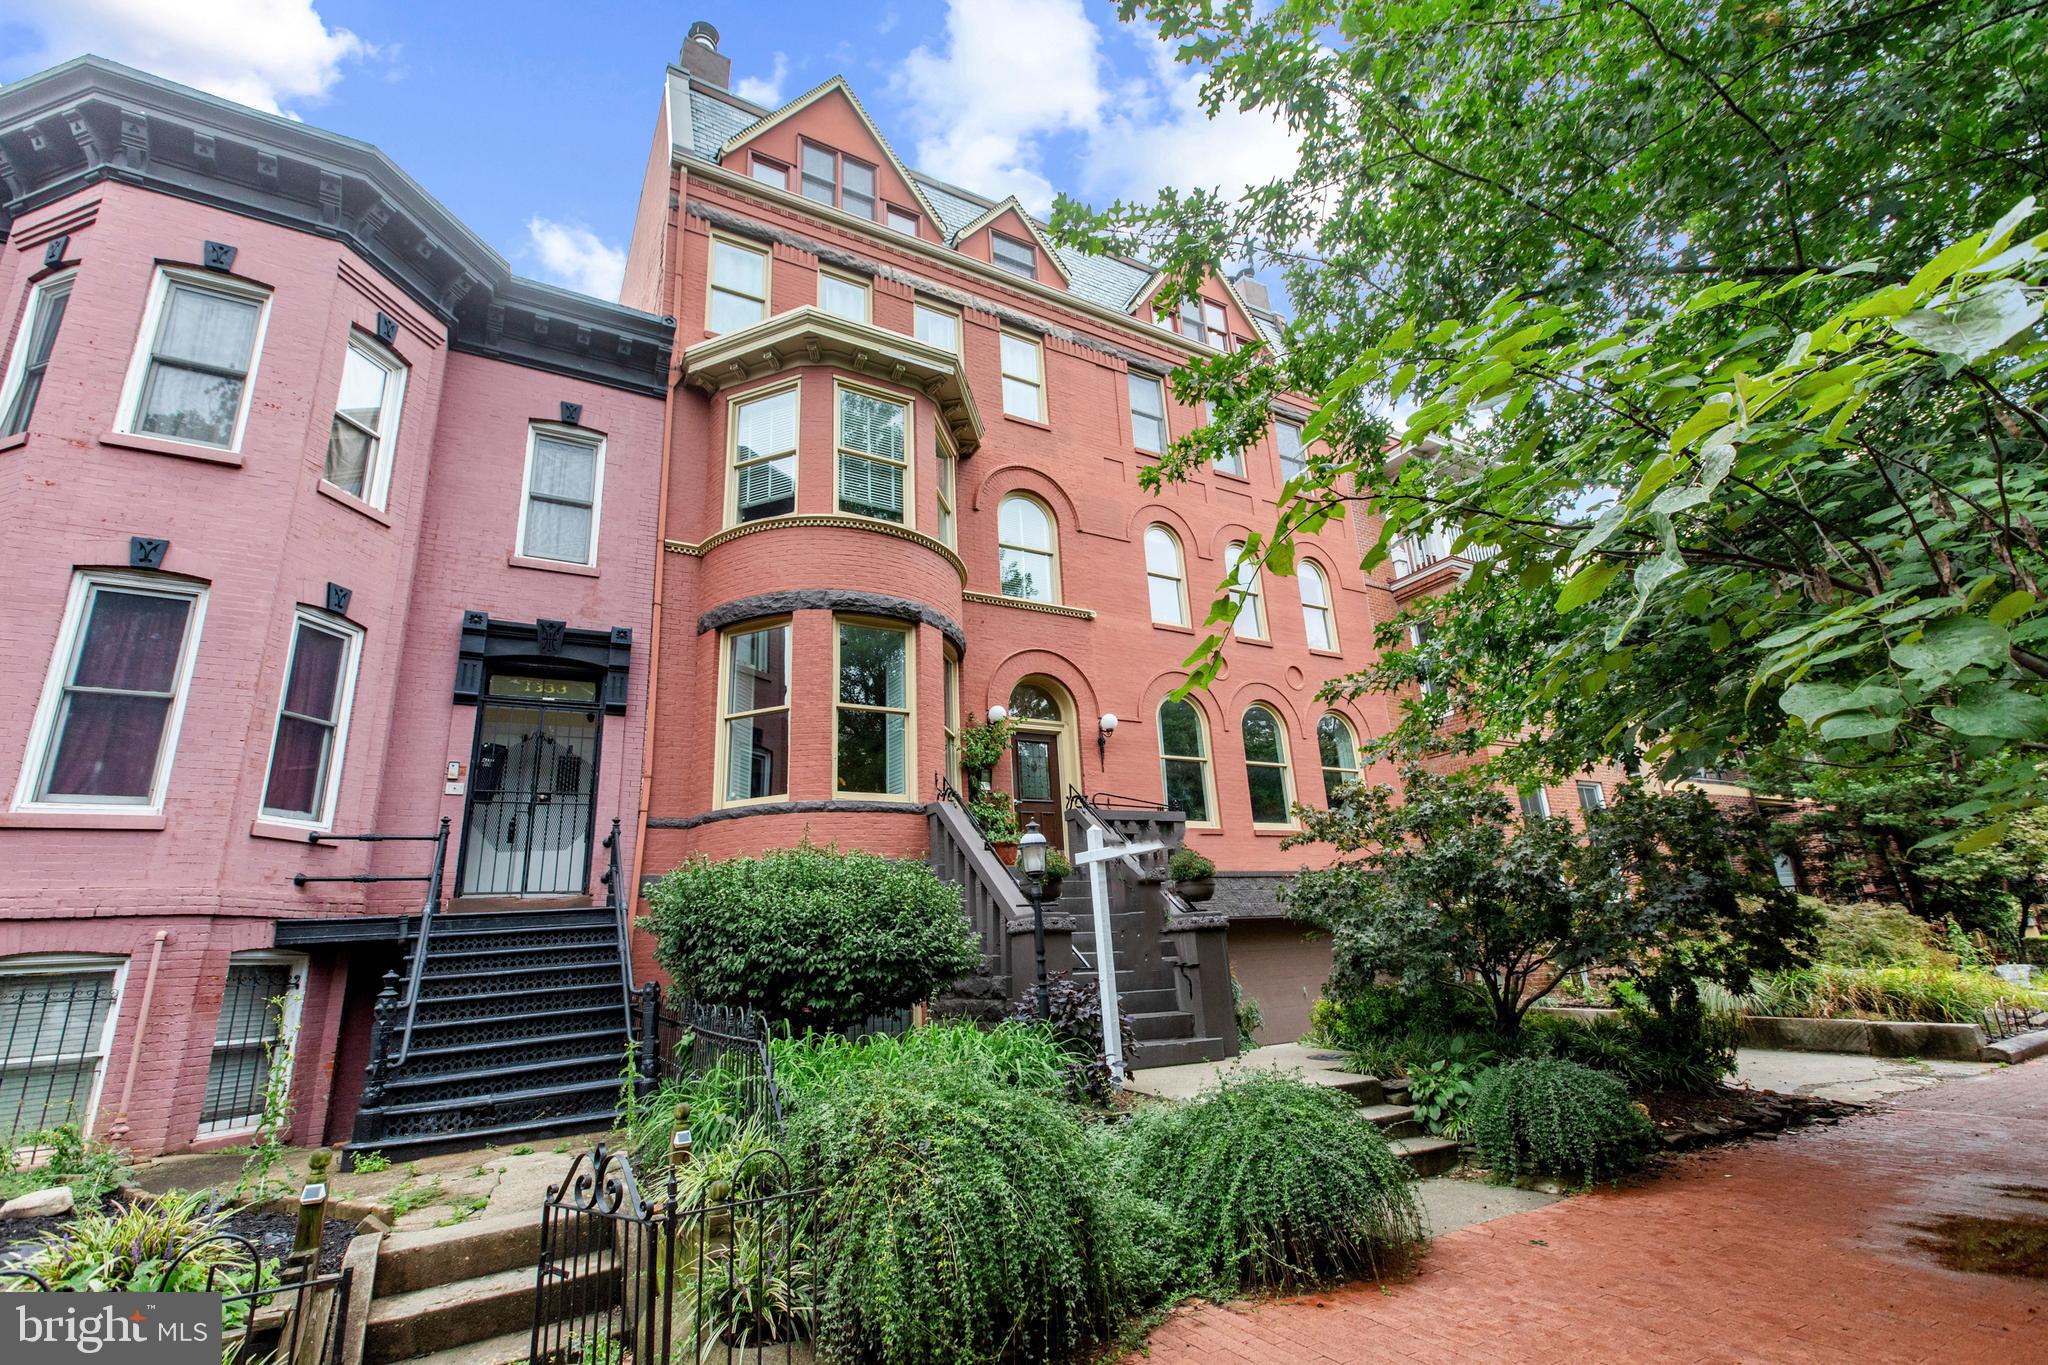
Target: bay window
[764,465]
[311,733]
[872,736]
[32,346]
[365,427]
[873,458]
[190,378]
[754,715]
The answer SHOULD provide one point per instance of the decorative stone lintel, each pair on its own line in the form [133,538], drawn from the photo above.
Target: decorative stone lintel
[840,521]
[712,817]
[832,599]
[989,599]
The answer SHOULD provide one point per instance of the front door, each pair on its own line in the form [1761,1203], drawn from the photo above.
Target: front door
[1035,756]
[532,798]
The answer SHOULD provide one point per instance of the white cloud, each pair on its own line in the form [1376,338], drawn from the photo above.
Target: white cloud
[262,53]
[571,255]
[1013,73]
[765,90]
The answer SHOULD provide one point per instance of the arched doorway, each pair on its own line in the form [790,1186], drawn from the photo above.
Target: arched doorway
[1042,758]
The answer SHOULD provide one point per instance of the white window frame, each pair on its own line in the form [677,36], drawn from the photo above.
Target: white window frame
[73,964]
[1246,594]
[920,308]
[1051,552]
[1132,380]
[1325,610]
[1280,448]
[42,742]
[840,450]
[722,773]
[908,710]
[16,373]
[1285,764]
[578,436]
[778,174]
[950,679]
[891,215]
[1599,794]
[377,479]
[287,1039]
[1207,760]
[712,288]
[1035,381]
[345,696]
[855,282]
[1179,576]
[732,446]
[127,416]
[995,257]
[1350,774]
[1534,803]
[946,493]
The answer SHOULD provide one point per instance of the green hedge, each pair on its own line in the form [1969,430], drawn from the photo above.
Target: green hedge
[1553,1117]
[814,937]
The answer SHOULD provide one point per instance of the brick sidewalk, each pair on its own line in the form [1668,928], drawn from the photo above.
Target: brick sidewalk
[1795,1250]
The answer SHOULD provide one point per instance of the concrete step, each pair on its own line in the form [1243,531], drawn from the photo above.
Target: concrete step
[1147,1000]
[1426,1156]
[1162,1025]
[1180,1051]
[1395,1120]
[463,1313]
[425,1257]
[1364,1089]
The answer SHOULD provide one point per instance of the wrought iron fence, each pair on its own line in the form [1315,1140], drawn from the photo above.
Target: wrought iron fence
[690,1040]
[716,1266]
[1999,1022]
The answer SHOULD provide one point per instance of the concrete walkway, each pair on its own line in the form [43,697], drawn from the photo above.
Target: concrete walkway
[1319,1065]
[1915,1231]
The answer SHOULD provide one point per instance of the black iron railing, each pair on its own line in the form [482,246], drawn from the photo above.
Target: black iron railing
[690,1041]
[439,839]
[615,900]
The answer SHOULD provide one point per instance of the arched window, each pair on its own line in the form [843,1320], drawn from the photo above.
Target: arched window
[1316,615]
[1164,577]
[1184,760]
[1030,554]
[1250,622]
[1265,765]
[1029,701]
[1339,751]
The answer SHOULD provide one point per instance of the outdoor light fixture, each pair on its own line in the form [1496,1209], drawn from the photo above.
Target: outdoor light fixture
[996,715]
[1031,862]
[1107,728]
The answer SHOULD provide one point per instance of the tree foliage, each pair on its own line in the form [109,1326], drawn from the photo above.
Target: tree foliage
[1717,333]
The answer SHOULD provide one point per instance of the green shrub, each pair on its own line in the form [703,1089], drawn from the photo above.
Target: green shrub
[1544,1114]
[132,1249]
[1186,865]
[1931,995]
[960,1220]
[1876,934]
[1250,1018]
[1441,1092]
[812,936]
[1692,1048]
[1274,1182]
[93,1169]
[1015,1055]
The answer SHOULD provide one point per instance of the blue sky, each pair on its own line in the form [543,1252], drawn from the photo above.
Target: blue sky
[532,121]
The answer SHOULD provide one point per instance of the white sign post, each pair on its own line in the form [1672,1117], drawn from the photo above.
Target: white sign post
[1105,941]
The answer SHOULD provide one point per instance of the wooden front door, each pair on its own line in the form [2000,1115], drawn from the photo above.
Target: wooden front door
[1035,760]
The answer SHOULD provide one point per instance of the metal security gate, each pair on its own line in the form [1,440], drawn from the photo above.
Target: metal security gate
[708,1270]
[532,801]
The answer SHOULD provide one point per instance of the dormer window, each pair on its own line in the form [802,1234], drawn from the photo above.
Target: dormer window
[903,220]
[770,172]
[840,181]
[1019,258]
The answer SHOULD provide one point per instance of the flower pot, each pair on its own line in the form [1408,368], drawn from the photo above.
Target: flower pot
[1006,849]
[1197,891]
[1051,889]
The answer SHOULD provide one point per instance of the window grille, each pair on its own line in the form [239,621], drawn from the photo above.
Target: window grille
[53,1038]
[244,1040]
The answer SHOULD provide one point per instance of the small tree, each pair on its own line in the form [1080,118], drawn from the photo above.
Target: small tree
[816,937]
[1445,889]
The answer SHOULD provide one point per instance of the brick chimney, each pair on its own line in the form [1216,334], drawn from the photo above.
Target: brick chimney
[702,59]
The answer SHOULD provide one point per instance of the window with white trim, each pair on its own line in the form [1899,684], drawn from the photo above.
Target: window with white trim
[1426,682]
[1148,412]
[1265,766]
[107,724]
[754,714]
[310,737]
[769,172]
[564,480]
[1250,621]
[1213,322]
[947,491]
[843,296]
[192,371]
[873,456]
[1191,320]
[872,746]
[952,722]
[832,178]
[1184,761]
[57,1016]
[1293,459]
[1317,618]
[259,1017]
[764,464]
[1029,564]
[365,427]
[1229,462]
[1165,577]
[937,326]
[33,342]
[1592,797]
[1023,377]
[1017,257]
[1338,748]
[1536,804]
[739,286]
[903,220]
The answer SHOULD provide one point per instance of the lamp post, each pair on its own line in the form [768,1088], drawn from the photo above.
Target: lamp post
[1031,862]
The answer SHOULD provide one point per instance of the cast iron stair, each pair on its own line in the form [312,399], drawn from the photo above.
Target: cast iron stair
[519,1030]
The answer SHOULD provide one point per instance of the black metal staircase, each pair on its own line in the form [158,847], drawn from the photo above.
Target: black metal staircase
[509,1024]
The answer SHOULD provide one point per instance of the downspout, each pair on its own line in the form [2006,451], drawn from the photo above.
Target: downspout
[670,272]
[156,956]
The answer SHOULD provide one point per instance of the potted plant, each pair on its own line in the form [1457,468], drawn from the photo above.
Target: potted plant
[996,817]
[1193,876]
[1057,870]
[981,748]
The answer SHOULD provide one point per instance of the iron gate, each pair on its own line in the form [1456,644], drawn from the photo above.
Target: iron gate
[716,1267]
[532,801]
